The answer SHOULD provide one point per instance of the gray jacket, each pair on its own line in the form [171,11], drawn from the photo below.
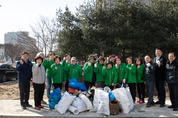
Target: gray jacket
[39,74]
[149,73]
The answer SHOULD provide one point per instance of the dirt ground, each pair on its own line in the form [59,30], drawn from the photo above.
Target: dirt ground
[10,91]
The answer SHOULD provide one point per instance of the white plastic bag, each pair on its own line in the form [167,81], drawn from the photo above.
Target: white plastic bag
[121,96]
[64,103]
[86,101]
[130,98]
[74,110]
[101,102]
[79,104]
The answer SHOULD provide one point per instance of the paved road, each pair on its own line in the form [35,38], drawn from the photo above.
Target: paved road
[11,108]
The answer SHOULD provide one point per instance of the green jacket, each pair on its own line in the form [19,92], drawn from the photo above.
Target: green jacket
[131,78]
[122,72]
[88,72]
[48,71]
[73,71]
[98,71]
[64,63]
[57,76]
[110,75]
[140,74]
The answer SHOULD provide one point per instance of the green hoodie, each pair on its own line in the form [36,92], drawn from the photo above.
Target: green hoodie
[57,76]
[122,72]
[110,75]
[131,73]
[98,71]
[140,74]
[48,71]
[88,72]
[64,63]
[73,71]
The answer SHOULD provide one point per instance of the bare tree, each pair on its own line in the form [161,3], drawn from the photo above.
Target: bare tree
[2,56]
[45,32]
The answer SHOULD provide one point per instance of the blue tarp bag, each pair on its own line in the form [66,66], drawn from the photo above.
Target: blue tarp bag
[111,96]
[73,83]
[54,98]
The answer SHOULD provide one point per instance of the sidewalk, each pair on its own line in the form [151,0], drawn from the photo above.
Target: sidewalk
[12,109]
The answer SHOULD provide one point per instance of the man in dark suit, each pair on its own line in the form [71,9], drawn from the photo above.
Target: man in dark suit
[160,76]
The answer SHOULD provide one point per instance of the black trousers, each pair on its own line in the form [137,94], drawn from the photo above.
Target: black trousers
[67,86]
[150,90]
[57,85]
[141,91]
[24,88]
[160,87]
[111,87]
[89,84]
[38,93]
[43,92]
[100,84]
[132,87]
[173,90]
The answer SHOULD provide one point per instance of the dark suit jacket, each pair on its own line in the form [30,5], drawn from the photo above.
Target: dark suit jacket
[160,72]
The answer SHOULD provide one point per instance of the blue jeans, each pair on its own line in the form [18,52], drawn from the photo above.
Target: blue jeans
[48,86]
[120,84]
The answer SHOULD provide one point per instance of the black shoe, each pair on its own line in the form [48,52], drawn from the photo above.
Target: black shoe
[28,105]
[158,102]
[23,107]
[162,105]
[148,105]
[175,109]
[171,107]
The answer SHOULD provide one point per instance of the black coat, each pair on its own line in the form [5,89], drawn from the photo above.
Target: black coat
[160,72]
[172,72]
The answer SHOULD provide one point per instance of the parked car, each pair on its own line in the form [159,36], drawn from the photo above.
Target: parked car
[7,72]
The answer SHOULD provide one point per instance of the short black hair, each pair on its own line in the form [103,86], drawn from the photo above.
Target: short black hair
[147,55]
[158,48]
[110,62]
[69,54]
[51,53]
[130,58]
[24,53]
[172,53]
[57,57]
[138,58]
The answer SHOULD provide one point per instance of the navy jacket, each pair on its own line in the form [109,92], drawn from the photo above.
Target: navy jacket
[172,72]
[24,71]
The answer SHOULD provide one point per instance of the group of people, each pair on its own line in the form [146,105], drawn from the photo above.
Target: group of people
[111,72]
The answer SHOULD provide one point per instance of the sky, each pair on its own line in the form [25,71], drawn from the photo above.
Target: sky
[18,15]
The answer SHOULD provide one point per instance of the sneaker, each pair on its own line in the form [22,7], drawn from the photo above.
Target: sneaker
[41,106]
[23,107]
[37,108]
[158,102]
[162,105]
[138,101]
[43,102]
[28,105]
[175,109]
[141,102]
[170,106]
[148,105]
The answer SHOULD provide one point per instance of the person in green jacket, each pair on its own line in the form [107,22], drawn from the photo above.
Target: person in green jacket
[121,71]
[98,70]
[57,73]
[89,74]
[131,78]
[74,70]
[110,74]
[66,62]
[140,80]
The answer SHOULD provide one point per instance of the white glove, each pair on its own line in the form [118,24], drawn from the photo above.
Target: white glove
[158,62]
[116,66]
[37,65]
[148,64]
[89,64]
[123,81]
[64,58]
[95,65]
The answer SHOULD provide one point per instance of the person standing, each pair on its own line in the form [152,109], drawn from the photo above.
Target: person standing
[121,71]
[140,80]
[89,74]
[57,73]
[73,69]
[160,76]
[110,74]
[172,79]
[98,70]
[67,61]
[149,76]
[24,69]
[131,78]
[39,78]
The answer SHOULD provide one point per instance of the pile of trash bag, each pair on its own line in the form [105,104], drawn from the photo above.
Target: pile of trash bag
[73,83]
